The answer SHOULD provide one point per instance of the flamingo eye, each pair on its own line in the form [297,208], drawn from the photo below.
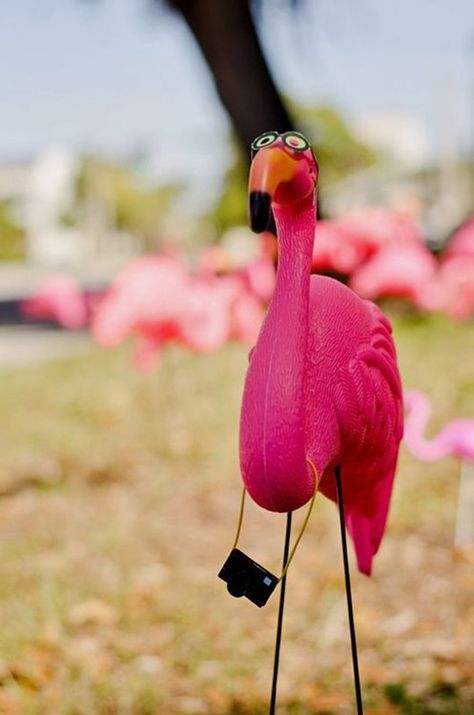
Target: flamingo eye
[295,141]
[264,140]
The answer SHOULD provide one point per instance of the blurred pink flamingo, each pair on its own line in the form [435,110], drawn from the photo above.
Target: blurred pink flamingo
[155,299]
[248,288]
[374,227]
[456,279]
[255,283]
[457,439]
[344,244]
[451,290]
[58,298]
[396,271]
[462,241]
[336,249]
[260,277]
[256,273]
[141,295]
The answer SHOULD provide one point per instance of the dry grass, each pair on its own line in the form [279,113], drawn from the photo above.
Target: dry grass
[119,495]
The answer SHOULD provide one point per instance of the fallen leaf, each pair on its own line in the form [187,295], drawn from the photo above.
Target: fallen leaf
[94,612]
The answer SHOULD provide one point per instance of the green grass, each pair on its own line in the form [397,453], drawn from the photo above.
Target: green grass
[119,496]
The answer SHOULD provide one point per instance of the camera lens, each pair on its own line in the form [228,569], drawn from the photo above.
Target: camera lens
[237,584]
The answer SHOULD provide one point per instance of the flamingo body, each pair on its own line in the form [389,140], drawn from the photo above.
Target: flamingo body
[322,384]
[349,415]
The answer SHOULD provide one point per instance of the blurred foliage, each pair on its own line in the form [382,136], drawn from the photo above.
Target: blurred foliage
[231,206]
[122,200]
[12,238]
[338,151]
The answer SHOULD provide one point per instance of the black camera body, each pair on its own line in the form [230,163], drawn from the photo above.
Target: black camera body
[245,577]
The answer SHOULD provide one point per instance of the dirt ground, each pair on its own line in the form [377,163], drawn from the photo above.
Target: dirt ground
[119,497]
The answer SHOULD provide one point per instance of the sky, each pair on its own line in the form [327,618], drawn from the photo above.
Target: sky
[111,76]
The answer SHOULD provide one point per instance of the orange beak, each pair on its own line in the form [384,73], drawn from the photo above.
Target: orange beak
[270,169]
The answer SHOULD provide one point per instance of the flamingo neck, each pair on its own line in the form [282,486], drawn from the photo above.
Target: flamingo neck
[415,426]
[273,445]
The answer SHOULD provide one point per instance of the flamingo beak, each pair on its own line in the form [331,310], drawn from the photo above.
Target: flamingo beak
[270,168]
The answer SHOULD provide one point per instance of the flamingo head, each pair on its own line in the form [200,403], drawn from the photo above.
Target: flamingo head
[284,171]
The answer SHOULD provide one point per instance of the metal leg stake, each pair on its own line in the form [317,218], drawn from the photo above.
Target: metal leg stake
[347,579]
[281,607]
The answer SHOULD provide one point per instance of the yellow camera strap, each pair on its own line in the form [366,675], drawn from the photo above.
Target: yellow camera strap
[303,526]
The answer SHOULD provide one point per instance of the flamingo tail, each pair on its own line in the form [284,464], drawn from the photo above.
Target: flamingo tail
[367,528]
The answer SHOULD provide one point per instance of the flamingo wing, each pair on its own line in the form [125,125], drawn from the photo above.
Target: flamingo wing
[370,415]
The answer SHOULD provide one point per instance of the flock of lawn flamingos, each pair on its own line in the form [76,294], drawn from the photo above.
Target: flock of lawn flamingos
[161,299]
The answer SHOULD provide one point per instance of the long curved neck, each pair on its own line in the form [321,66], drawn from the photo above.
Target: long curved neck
[415,426]
[287,316]
[273,416]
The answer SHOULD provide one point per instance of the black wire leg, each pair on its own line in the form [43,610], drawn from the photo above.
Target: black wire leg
[276,661]
[347,579]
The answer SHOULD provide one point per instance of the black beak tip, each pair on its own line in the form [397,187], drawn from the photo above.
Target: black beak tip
[259,210]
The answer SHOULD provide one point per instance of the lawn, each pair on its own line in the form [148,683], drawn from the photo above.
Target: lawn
[118,501]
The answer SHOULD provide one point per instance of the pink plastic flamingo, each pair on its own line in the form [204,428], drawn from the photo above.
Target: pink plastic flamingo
[322,382]
[401,271]
[457,439]
[58,298]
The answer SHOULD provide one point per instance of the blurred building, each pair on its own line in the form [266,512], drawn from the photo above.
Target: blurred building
[41,196]
[402,139]
[433,189]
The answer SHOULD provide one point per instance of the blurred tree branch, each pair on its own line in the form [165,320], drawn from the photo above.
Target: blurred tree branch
[226,35]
